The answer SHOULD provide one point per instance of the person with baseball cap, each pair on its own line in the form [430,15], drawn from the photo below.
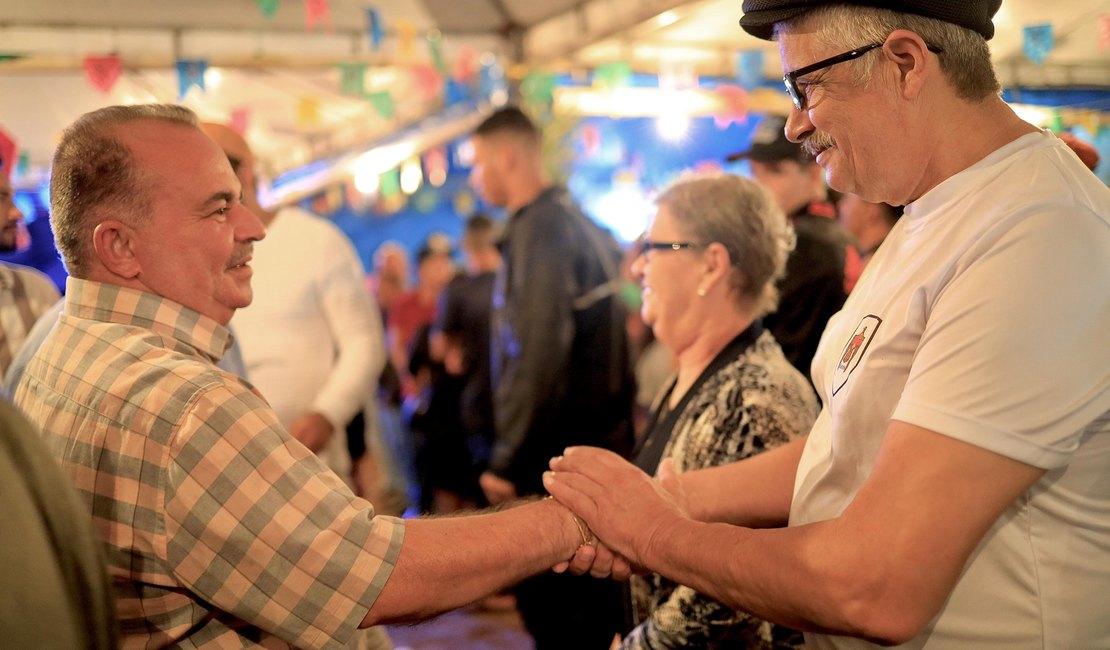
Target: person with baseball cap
[953,492]
[825,263]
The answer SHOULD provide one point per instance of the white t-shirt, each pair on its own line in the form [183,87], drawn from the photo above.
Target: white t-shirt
[985,316]
[312,336]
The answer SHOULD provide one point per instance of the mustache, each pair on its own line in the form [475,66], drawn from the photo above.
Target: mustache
[241,254]
[818,142]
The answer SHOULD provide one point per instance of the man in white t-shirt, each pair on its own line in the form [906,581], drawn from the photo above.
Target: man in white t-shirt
[954,491]
[312,337]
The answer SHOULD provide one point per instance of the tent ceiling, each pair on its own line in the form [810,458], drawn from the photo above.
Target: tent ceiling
[269,65]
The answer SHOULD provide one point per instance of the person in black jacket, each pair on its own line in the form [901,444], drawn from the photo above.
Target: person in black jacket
[559,357]
[825,263]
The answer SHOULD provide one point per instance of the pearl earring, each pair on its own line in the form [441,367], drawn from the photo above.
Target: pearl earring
[701,292]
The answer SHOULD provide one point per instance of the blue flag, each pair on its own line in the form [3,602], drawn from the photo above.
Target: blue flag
[1037,42]
[749,69]
[374,28]
[190,72]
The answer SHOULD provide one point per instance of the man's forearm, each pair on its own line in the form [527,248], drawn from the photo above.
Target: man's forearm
[448,562]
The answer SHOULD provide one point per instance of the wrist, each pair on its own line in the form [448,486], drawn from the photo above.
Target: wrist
[575,532]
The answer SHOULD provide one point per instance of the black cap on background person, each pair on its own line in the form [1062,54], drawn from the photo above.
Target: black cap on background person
[769,144]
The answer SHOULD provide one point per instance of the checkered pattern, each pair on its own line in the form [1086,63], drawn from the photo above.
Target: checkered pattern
[221,530]
[25,294]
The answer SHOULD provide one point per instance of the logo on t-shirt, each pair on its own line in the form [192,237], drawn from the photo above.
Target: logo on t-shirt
[854,350]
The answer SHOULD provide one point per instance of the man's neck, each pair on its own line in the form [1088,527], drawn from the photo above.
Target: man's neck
[524,191]
[968,134]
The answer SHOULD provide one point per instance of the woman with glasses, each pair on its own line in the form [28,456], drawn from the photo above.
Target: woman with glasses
[707,269]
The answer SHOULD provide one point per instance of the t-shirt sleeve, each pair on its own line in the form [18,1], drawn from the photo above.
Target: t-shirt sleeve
[258,526]
[1014,355]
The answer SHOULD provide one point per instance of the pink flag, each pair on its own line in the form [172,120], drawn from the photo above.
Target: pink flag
[103,71]
[315,12]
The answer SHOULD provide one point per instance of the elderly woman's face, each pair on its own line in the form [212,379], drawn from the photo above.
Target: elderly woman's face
[669,282]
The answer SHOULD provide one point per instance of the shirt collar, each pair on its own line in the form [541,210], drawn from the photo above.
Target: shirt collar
[115,304]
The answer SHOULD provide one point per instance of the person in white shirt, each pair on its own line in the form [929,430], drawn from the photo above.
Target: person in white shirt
[953,492]
[312,338]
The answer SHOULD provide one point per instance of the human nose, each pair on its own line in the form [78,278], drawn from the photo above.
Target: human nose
[798,125]
[249,227]
[637,267]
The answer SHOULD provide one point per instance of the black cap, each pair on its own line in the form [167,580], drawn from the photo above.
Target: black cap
[760,16]
[769,143]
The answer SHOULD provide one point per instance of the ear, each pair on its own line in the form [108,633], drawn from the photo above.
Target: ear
[114,245]
[718,263]
[910,53]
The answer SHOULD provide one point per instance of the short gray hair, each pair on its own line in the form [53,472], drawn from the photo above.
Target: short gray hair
[94,174]
[965,60]
[742,216]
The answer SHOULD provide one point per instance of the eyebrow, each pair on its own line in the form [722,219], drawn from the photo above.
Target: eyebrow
[218,197]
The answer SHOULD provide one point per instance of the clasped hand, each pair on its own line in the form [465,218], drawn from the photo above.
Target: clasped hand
[628,510]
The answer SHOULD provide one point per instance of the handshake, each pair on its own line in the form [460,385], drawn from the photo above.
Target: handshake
[621,512]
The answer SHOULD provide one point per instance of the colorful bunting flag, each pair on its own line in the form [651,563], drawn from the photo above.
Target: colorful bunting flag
[24,164]
[734,100]
[7,153]
[374,28]
[454,92]
[435,50]
[382,102]
[466,64]
[308,113]
[352,79]
[427,80]
[190,72]
[749,69]
[407,33]
[268,8]
[538,88]
[240,120]
[1038,42]
[103,71]
[316,12]
[610,76]
[391,183]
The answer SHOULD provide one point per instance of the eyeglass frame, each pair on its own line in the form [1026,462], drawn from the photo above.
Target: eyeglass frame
[648,245]
[790,79]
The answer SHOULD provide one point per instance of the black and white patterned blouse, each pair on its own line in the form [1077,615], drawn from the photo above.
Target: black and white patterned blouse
[748,400]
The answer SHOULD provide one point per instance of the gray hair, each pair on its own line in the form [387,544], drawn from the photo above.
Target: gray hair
[965,60]
[742,216]
[94,175]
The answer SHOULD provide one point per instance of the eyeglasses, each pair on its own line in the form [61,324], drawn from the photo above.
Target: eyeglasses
[648,245]
[790,79]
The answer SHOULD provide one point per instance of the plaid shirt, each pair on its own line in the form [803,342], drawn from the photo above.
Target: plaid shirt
[221,530]
[25,293]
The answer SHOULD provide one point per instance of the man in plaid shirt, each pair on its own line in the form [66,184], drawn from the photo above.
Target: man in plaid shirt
[221,529]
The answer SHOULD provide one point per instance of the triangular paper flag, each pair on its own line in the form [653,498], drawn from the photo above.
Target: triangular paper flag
[1037,42]
[268,7]
[352,79]
[316,12]
[7,154]
[374,28]
[240,120]
[103,71]
[190,72]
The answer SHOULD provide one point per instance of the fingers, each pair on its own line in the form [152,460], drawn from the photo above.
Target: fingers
[603,562]
[622,569]
[583,560]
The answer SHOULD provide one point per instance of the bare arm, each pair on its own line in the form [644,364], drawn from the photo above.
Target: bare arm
[755,492]
[880,571]
[448,562]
